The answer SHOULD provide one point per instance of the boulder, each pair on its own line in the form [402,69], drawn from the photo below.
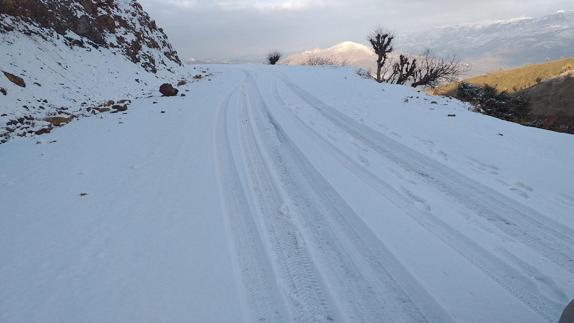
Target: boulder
[3,91]
[15,79]
[167,89]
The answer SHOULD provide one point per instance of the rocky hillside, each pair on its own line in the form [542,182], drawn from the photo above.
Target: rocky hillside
[65,59]
[551,103]
[547,88]
[120,25]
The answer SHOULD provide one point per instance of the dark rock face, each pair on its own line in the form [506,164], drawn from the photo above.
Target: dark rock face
[167,89]
[15,79]
[101,23]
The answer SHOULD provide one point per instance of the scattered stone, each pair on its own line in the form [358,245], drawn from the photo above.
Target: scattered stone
[119,108]
[15,79]
[59,121]
[109,103]
[502,135]
[183,94]
[452,115]
[434,102]
[182,82]
[3,91]
[162,111]
[43,131]
[102,109]
[37,84]
[83,194]
[167,89]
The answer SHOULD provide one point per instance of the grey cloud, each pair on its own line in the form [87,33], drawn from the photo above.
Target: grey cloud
[226,29]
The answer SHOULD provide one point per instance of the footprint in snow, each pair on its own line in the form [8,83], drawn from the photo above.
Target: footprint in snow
[519,192]
[524,186]
[443,155]
[284,210]
[364,161]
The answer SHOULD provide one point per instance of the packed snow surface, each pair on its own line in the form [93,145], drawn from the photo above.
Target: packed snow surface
[285,194]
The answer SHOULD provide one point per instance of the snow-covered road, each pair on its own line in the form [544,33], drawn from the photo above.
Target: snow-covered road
[285,194]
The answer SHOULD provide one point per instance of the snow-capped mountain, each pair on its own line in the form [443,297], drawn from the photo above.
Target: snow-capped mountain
[68,58]
[345,53]
[498,44]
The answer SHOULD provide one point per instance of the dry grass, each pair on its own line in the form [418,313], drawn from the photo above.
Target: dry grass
[517,79]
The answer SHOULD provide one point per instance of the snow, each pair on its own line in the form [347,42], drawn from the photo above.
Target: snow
[73,78]
[284,193]
[345,53]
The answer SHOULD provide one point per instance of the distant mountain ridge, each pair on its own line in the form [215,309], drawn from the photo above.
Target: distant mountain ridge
[500,44]
[484,46]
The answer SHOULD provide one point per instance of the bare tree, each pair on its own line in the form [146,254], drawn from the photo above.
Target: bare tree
[316,60]
[273,57]
[381,42]
[403,70]
[433,70]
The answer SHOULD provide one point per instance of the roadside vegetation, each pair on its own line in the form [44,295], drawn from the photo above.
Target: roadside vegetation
[539,95]
[425,70]
[273,57]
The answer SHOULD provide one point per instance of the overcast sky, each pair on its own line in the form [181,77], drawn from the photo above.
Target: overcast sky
[228,29]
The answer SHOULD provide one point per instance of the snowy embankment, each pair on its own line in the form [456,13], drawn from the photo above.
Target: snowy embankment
[288,194]
[61,80]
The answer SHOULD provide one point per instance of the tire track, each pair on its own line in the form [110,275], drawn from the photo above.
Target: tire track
[540,233]
[518,282]
[370,284]
[307,294]
[263,296]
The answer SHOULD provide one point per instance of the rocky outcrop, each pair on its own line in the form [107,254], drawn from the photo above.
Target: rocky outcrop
[121,25]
